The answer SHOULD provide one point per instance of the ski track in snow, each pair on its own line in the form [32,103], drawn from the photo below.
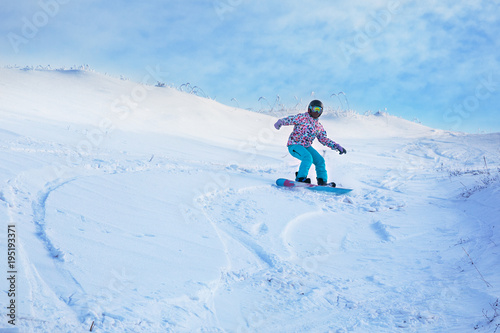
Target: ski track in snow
[38,207]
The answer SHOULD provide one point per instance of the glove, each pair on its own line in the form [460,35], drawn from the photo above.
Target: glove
[278,124]
[340,149]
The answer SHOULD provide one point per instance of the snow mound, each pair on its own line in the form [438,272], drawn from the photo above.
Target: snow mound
[145,209]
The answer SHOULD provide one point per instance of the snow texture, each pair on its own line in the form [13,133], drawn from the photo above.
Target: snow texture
[145,209]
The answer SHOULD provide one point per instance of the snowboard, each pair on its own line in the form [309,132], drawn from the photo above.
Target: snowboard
[312,187]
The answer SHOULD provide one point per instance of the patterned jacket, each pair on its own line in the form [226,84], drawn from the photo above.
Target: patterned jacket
[305,130]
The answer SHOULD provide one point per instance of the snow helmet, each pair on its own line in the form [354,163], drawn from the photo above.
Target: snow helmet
[315,108]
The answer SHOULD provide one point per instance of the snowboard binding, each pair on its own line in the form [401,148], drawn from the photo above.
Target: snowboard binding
[302,179]
[321,182]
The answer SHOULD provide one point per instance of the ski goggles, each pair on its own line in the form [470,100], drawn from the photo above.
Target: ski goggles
[317,109]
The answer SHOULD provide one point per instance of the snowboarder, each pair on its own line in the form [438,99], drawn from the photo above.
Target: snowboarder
[306,128]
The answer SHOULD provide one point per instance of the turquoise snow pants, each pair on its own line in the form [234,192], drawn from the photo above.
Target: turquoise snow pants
[309,156]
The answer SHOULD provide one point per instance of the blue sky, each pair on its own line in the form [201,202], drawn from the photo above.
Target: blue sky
[435,61]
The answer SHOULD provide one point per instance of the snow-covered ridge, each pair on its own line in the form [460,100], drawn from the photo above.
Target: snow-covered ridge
[145,209]
[146,104]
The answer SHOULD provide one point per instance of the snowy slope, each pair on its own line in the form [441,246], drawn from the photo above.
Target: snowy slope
[144,209]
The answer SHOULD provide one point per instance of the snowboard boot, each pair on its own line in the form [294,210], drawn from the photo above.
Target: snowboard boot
[302,179]
[322,182]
